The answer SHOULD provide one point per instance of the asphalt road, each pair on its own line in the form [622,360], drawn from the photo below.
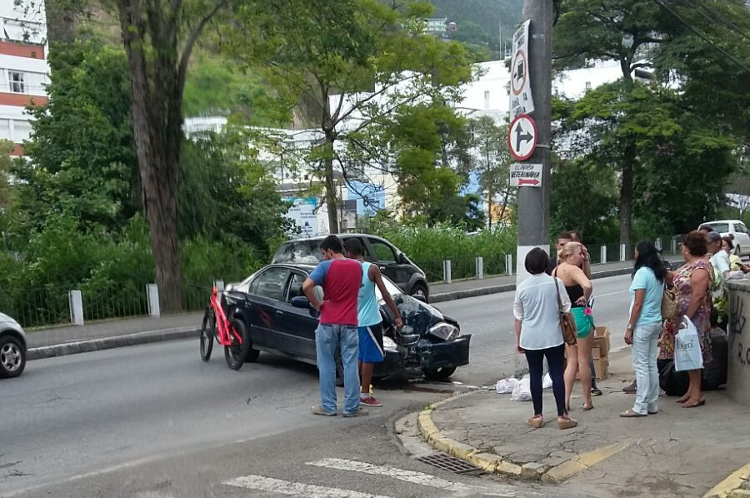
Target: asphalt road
[154,421]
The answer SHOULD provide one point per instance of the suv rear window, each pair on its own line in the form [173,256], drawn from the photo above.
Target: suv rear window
[299,251]
[719,227]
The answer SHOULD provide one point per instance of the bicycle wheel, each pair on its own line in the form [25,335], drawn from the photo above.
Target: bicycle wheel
[208,331]
[237,352]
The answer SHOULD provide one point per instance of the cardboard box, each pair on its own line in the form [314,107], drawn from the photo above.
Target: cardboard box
[601,365]
[601,340]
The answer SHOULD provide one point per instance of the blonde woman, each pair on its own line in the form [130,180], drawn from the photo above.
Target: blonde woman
[579,289]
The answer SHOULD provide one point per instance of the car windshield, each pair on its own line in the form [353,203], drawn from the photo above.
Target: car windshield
[719,227]
[299,251]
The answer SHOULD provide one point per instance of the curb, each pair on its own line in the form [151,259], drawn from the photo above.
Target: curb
[89,345]
[496,464]
[732,485]
[497,289]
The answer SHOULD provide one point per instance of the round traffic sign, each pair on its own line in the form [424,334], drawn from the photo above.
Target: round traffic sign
[522,137]
[518,72]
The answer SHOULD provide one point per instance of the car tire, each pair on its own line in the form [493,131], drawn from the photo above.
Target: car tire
[438,373]
[12,357]
[420,289]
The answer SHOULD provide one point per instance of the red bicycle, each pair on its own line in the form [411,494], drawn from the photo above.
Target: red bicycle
[231,333]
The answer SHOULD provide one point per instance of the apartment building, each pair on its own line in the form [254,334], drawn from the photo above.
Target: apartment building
[24,71]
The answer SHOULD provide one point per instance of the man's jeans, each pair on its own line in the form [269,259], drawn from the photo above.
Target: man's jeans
[327,339]
[645,351]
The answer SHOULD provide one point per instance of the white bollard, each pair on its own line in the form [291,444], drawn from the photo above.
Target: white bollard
[219,284]
[674,246]
[152,292]
[509,264]
[480,267]
[623,256]
[658,244]
[75,300]
[447,271]
[604,254]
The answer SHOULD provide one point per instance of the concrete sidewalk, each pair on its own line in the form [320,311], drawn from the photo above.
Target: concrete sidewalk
[64,340]
[678,452]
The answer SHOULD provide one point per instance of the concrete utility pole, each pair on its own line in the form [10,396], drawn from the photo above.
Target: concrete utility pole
[534,203]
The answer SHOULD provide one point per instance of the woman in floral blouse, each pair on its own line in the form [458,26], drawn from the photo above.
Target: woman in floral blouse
[692,283]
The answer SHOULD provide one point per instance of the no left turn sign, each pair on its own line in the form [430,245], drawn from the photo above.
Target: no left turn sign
[522,137]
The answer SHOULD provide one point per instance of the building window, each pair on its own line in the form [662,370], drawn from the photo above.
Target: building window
[5,129]
[487,99]
[588,85]
[16,80]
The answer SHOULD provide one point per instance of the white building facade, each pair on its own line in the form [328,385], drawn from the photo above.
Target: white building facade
[24,71]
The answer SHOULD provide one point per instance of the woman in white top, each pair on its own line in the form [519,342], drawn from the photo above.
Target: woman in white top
[538,334]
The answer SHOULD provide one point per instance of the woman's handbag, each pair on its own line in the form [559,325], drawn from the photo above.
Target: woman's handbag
[669,303]
[567,322]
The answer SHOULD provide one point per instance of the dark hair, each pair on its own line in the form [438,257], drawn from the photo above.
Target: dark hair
[650,257]
[706,228]
[536,261]
[332,243]
[695,242]
[729,242]
[353,247]
[564,235]
[575,236]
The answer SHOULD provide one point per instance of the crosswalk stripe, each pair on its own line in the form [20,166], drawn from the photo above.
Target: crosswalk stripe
[393,472]
[279,486]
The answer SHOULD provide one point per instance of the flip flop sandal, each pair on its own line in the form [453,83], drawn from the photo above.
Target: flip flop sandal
[695,405]
[631,414]
[587,409]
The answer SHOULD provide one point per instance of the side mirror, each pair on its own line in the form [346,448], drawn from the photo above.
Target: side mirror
[301,302]
[401,259]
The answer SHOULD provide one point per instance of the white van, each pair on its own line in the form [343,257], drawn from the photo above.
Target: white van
[733,227]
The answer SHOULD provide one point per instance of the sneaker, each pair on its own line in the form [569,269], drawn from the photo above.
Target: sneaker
[595,391]
[370,401]
[361,412]
[318,410]
[631,389]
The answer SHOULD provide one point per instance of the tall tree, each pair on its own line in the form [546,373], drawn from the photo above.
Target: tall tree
[492,161]
[159,37]
[351,64]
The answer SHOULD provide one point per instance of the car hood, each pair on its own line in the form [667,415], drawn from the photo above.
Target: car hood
[418,317]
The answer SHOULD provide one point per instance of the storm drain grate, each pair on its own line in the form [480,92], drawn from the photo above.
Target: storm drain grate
[449,463]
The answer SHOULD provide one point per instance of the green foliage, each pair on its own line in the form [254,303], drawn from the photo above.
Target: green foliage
[82,158]
[584,197]
[429,246]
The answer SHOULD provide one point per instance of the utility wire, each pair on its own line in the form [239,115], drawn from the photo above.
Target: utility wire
[718,15]
[729,56]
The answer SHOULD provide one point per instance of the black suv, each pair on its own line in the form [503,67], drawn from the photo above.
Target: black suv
[393,263]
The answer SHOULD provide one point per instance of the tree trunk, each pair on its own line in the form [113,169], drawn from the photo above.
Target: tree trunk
[489,210]
[157,119]
[330,181]
[626,195]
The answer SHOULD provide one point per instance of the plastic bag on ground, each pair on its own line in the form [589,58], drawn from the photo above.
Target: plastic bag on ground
[505,386]
[522,391]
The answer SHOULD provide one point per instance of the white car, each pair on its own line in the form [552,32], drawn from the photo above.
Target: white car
[735,228]
[12,348]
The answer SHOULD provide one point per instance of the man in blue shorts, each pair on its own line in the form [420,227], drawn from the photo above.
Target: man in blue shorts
[340,278]
[370,322]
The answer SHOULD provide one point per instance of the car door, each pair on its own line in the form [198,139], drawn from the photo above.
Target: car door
[386,257]
[297,323]
[265,295]
[742,238]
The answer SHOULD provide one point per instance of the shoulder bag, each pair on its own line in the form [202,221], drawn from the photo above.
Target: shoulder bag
[668,303]
[567,321]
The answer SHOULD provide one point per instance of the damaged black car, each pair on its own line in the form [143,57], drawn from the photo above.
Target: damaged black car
[280,321]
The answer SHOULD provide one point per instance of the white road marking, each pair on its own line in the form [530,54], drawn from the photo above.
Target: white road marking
[279,486]
[393,472]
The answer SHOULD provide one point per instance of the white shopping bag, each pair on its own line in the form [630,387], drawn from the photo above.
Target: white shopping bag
[505,386]
[546,381]
[687,347]
[522,391]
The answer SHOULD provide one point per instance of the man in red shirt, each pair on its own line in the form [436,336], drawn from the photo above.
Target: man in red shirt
[340,278]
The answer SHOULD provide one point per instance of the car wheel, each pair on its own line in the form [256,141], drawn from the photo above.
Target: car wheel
[12,357]
[420,290]
[438,373]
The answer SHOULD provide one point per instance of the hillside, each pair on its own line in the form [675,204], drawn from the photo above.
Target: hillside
[491,15]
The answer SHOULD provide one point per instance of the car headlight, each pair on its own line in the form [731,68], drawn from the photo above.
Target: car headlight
[389,344]
[444,331]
